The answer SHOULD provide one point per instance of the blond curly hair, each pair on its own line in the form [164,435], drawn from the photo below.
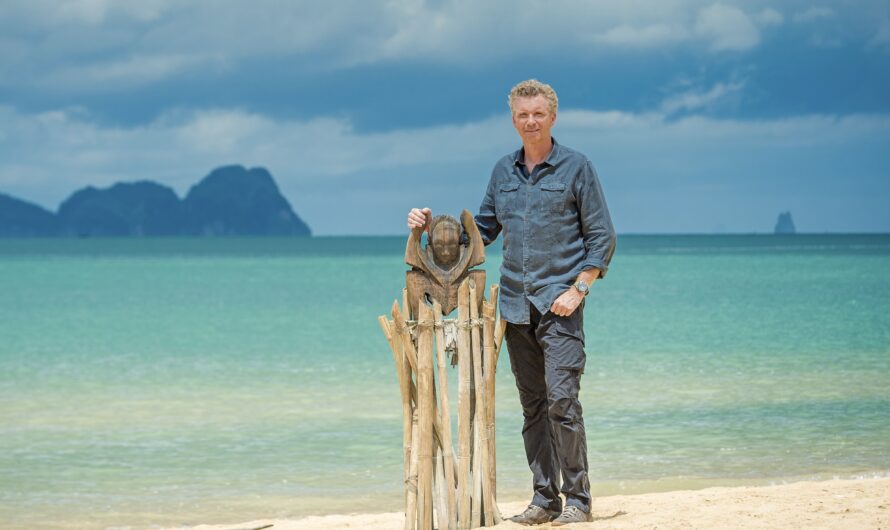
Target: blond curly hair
[531,88]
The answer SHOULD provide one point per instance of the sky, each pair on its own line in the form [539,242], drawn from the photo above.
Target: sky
[699,116]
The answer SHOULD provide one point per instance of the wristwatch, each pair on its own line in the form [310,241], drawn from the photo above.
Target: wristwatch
[582,287]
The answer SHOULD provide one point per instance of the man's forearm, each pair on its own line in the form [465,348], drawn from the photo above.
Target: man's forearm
[588,276]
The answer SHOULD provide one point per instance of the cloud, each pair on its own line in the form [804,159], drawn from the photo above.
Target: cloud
[55,14]
[727,28]
[769,17]
[695,99]
[132,71]
[643,37]
[460,30]
[123,44]
[646,158]
[812,14]
[881,38]
[40,150]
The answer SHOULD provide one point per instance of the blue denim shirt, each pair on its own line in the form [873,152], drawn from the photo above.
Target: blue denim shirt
[555,224]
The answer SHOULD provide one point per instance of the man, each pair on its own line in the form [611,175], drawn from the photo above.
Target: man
[558,239]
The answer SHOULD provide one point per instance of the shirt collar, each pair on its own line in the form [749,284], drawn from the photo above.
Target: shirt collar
[551,160]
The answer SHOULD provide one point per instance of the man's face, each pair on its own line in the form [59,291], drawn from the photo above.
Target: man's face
[533,119]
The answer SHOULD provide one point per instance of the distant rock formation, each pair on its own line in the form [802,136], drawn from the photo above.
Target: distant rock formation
[19,218]
[231,200]
[785,225]
[125,209]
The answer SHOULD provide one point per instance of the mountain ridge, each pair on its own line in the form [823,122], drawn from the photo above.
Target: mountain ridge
[229,201]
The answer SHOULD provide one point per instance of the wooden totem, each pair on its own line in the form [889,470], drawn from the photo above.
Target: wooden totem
[444,488]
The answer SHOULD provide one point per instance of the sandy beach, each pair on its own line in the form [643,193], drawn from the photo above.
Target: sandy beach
[859,504]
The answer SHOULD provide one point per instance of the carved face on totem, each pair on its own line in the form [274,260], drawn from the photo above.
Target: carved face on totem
[439,268]
[445,241]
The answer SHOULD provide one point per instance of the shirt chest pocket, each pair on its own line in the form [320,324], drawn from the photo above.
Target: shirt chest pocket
[553,197]
[507,199]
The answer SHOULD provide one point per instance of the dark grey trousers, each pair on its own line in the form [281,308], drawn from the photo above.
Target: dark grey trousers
[547,357]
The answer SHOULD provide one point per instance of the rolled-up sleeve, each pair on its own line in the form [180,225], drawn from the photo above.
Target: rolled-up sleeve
[596,223]
[486,220]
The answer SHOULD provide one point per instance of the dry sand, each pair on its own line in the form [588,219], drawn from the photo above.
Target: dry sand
[834,504]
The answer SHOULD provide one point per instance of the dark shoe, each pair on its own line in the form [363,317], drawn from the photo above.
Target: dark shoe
[572,514]
[534,515]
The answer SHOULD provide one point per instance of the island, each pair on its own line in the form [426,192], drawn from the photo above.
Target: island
[230,201]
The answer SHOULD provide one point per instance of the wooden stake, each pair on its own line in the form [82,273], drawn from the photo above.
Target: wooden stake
[499,329]
[401,331]
[481,509]
[426,417]
[402,335]
[443,511]
[432,476]
[406,386]
[411,485]
[489,369]
[445,418]
[406,307]
[404,379]
[464,364]
[440,496]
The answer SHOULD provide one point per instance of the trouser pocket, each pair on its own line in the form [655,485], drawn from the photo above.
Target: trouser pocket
[562,339]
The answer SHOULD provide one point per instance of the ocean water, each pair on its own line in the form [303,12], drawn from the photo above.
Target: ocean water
[184,381]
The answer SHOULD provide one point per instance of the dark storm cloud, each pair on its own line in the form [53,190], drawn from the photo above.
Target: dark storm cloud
[97,91]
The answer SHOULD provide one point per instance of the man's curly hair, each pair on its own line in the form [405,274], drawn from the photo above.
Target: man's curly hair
[531,88]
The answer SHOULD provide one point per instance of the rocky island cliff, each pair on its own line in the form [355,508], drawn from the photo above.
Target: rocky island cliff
[230,201]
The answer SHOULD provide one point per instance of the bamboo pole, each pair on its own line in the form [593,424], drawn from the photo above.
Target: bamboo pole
[406,307]
[401,330]
[426,412]
[411,485]
[477,514]
[464,364]
[399,320]
[500,327]
[443,511]
[445,418]
[440,496]
[426,432]
[489,368]
[404,388]
[481,510]
[402,335]
[409,420]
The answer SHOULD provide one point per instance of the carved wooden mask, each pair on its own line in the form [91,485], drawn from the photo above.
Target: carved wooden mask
[440,267]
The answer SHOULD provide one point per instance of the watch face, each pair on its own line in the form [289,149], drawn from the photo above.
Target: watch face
[581,286]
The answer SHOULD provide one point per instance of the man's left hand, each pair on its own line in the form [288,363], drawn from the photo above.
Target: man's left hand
[567,302]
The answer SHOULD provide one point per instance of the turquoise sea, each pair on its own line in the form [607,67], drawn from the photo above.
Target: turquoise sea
[183,381]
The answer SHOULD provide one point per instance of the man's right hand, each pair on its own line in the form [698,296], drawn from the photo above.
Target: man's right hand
[419,218]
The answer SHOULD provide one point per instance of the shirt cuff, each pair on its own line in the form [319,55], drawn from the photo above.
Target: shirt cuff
[595,263]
